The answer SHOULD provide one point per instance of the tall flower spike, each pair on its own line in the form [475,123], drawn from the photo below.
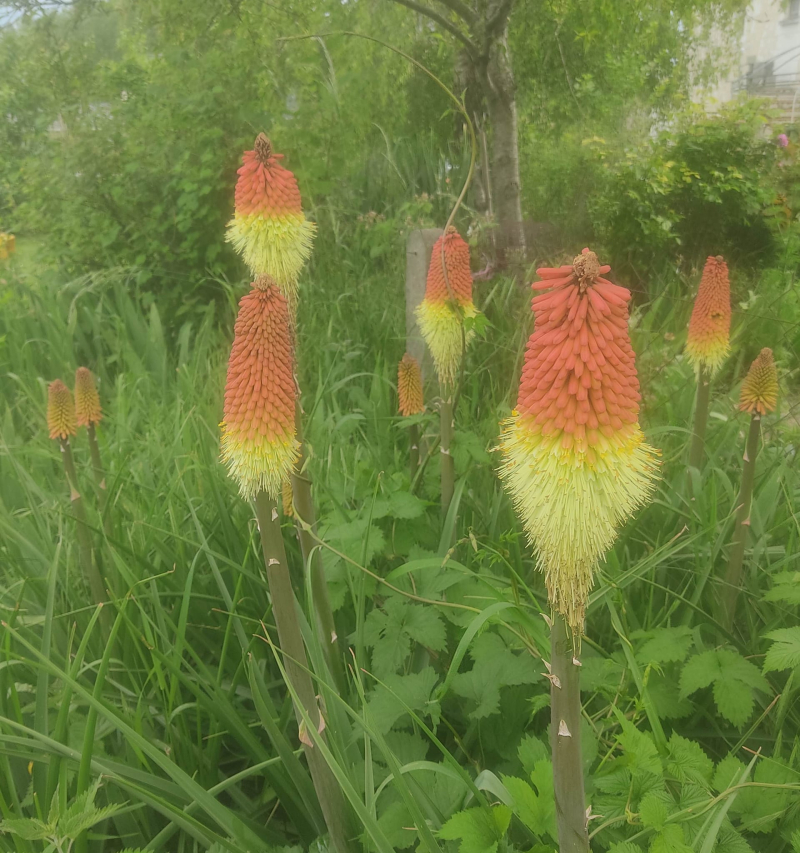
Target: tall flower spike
[60,411]
[441,317]
[87,400]
[409,386]
[760,387]
[708,341]
[574,457]
[258,433]
[269,228]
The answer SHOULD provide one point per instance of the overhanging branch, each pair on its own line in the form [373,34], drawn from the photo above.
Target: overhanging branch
[443,22]
[462,10]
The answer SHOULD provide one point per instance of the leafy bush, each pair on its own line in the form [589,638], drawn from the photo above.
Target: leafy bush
[697,188]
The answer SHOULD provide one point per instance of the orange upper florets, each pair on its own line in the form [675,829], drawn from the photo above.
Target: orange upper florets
[60,411]
[87,400]
[710,325]
[260,389]
[579,375]
[760,388]
[459,276]
[409,386]
[264,185]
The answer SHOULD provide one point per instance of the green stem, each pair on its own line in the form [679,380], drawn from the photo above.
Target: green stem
[284,611]
[90,570]
[304,511]
[413,453]
[565,740]
[100,477]
[697,449]
[448,468]
[733,575]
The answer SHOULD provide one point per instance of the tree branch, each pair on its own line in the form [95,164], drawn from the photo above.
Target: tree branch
[497,20]
[443,22]
[462,10]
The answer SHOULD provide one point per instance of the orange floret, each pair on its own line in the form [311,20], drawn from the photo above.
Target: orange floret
[258,432]
[60,411]
[574,457]
[409,386]
[87,400]
[708,341]
[760,387]
[441,315]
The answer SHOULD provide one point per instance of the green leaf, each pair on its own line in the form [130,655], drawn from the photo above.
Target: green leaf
[73,825]
[390,631]
[405,505]
[641,755]
[535,806]
[687,761]
[28,828]
[734,700]
[416,689]
[670,840]
[478,830]
[654,809]
[728,770]
[785,650]
[625,847]
[496,666]
[666,645]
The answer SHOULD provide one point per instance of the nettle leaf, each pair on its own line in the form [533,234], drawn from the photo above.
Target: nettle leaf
[405,505]
[734,680]
[728,771]
[73,825]
[604,675]
[349,538]
[731,841]
[416,688]
[666,645]
[28,828]
[389,632]
[760,808]
[670,840]
[625,847]
[687,761]
[535,806]
[655,808]
[531,751]
[496,666]
[786,588]
[663,690]
[641,755]
[478,830]
[785,650]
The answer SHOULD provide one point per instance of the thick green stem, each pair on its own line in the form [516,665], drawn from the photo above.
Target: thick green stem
[697,449]
[733,575]
[100,477]
[90,571]
[284,611]
[565,740]
[304,511]
[413,452]
[448,468]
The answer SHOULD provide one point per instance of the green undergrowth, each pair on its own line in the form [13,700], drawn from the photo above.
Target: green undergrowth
[175,730]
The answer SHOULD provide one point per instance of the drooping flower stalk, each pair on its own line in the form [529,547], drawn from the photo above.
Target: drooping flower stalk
[269,228]
[758,396]
[708,344]
[576,465]
[260,449]
[89,413]
[410,400]
[441,315]
[62,424]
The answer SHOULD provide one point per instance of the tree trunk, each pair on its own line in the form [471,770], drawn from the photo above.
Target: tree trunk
[502,107]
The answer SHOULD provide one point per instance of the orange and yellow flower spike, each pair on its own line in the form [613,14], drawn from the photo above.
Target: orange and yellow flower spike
[440,315]
[409,386]
[574,457]
[759,392]
[87,400]
[60,411]
[258,432]
[269,228]
[708,341]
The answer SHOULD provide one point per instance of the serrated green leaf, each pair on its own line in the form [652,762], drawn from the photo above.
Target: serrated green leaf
[734,700]
[416,689]
[687,761]
[531,751]
[784,651]
[405,505]
[640,753]
[625,847]
[654,809]
[74,825]
[28,828]
[701,671]
[670,840]
[729,769]
[666,645]
[477,830]
[389,632]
